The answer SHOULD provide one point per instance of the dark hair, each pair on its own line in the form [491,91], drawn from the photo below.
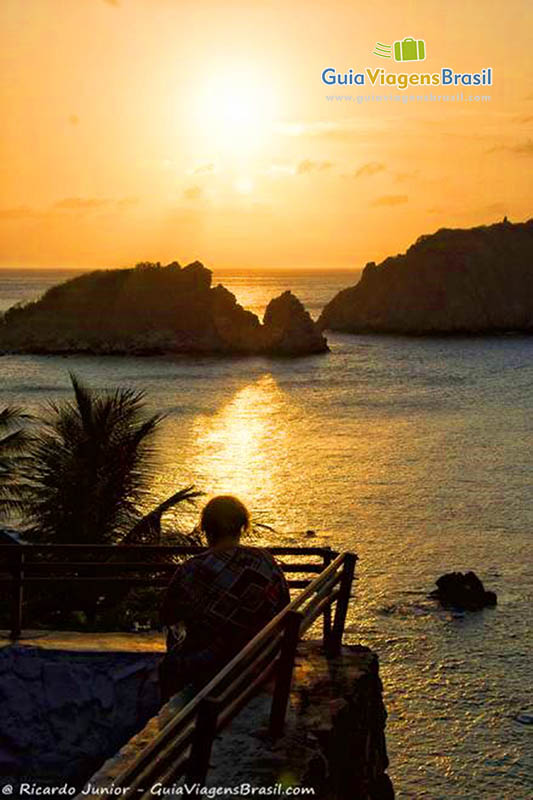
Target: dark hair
[224,516]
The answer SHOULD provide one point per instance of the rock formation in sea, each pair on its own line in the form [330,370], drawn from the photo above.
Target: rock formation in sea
[463,591]
[154,309]
[473,281]
[288,329]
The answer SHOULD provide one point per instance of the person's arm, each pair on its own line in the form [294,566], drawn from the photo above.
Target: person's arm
[172,608]
[280,585]
[285,595]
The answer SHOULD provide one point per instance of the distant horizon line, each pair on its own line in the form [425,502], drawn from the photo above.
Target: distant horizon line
[214,270]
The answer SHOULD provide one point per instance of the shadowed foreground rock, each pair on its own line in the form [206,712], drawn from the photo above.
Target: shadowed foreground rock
[463,591]
[62,712]
[334,739]
[471,281]
[153,309]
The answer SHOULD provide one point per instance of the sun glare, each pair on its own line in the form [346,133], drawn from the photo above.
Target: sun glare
[244,185]
[235,112]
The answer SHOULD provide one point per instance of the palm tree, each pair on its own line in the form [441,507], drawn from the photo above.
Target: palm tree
[87,476]
[91,465]
[13,444]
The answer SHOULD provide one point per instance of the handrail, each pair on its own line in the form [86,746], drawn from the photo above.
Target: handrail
[183,747]
[22,565]
[178,549]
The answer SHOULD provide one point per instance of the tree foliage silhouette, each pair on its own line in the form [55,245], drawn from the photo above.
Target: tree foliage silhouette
[14,441]
[89,467]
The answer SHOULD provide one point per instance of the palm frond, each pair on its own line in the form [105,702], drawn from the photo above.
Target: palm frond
[148,527]
[13,446]
[92,463]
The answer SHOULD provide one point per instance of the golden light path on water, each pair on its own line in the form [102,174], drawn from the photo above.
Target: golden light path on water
[239,446]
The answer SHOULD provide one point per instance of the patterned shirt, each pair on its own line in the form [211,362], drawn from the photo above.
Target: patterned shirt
[223,597]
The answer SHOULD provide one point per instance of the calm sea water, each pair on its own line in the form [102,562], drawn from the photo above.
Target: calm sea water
[415,453]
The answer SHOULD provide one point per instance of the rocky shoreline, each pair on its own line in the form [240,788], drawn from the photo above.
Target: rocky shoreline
[476,281]
[154,310]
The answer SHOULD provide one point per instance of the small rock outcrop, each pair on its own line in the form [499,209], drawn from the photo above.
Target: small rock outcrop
[154,309]
[289,329]
[463,591]
[474,281]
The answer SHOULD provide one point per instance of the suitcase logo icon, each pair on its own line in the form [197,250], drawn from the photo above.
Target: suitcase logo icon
[410,49]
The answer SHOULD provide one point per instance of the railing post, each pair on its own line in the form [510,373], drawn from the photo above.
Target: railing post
[17,596]
[326,627]
[204,734]
[284,671]
[335,639]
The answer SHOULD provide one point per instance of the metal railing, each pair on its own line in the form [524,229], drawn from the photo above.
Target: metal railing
[23,566]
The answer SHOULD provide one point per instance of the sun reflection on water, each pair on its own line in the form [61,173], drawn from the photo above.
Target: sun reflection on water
[237,449]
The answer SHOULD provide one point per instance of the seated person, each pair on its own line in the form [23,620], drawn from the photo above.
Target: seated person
[221,598]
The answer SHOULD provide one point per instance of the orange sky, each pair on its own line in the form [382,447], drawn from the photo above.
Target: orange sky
[163,129]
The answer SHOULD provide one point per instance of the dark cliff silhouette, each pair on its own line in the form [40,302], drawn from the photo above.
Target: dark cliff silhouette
[478,280]
[154,309]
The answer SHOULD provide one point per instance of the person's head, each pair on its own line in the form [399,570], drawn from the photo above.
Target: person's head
[224,519]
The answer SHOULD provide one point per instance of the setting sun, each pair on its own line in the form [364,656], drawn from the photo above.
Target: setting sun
[234,111]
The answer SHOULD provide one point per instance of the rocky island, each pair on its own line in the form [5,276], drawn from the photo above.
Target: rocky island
[473,281]
[154,309]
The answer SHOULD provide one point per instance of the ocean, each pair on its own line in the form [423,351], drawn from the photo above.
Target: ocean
[414,453]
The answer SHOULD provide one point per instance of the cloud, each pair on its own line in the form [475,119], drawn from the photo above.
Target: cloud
[127,202]
[523,149]
[371,168]
[280,170]
[81,203]
[19,212]
[72,204]
[405,176]
[114,3]
[325,130]
[203,169]
[193,193]
[307,165]
[520,149]
[391,200]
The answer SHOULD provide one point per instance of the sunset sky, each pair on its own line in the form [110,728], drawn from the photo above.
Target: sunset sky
[166,129]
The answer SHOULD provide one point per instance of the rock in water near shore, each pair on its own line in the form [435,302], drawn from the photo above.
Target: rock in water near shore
[464,591]
[153,309]
[473,281]
[289,329]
